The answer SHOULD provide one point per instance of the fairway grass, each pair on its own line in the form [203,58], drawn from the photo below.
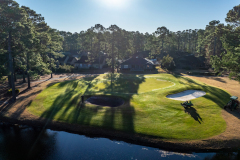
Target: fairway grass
[146,111]
[131,86]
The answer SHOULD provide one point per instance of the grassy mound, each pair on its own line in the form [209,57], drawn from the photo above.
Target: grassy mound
[147,110]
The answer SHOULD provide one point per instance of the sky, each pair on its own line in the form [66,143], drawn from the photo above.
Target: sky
[131,15]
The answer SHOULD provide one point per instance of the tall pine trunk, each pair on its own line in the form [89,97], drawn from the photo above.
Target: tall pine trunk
[184,46]
[14,72]
[99,55]
[51,64]
[9,80]
[118,61]
[11,66]
[214,50]
[24,80]
[28,76]
[113,53]
[195,45]
[178,46]
[189,46]
[162,45]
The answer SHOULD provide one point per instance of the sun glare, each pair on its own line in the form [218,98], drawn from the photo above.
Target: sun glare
[114,3]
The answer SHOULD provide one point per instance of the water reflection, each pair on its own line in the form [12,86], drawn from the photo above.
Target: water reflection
[55,145]
[223,156]
[27,143]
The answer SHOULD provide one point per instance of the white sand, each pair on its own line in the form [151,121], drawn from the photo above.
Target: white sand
[187,95]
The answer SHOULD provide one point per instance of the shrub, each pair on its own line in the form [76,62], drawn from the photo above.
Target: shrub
[34,76]
[167,62]
[10,91]
[65,69]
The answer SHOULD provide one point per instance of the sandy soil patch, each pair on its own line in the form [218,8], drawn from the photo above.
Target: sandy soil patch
[225,83]
[187,95]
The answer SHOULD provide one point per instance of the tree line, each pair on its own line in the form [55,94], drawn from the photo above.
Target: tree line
[218,43]
[28,43]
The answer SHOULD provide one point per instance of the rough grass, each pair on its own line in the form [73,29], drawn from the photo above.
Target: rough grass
[146,111]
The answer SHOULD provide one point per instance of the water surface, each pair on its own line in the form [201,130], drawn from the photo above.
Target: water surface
[57,145]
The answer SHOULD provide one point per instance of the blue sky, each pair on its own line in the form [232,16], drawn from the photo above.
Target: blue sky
[131,15]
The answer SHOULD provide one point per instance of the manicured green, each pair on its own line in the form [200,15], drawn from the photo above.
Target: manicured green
[124,84]
[147,110]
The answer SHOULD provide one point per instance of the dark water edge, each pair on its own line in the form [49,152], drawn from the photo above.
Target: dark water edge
[30,143]
[110,101]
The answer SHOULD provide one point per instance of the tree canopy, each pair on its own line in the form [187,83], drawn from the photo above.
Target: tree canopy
[29,44]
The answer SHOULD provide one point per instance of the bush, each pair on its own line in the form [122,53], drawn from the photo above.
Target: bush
[34,76]
[10,91]
[65,69]
[167,62]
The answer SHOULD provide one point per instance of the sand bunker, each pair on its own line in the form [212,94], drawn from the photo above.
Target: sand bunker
[187,95]
[110,101]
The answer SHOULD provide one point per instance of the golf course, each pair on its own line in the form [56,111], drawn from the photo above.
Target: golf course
[146,109]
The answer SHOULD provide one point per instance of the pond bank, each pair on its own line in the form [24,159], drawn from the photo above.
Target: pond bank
[46,144]
[207,145]
[17,114]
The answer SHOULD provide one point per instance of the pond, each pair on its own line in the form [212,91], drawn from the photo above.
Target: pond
[47,144]
[110,101]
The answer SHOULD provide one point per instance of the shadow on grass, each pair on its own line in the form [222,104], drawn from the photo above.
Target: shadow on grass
[70,97]
[119,84]
[66,105]
[193,113]
[216,95]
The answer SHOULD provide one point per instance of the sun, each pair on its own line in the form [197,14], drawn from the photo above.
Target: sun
[114,3]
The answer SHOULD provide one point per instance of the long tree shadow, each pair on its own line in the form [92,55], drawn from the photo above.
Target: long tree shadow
[19,110]
[22,97]
[128,113]
[216,95]
[68,100]
[65,106]
[193,113]
[218,79]
[118,83]
[123,86]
